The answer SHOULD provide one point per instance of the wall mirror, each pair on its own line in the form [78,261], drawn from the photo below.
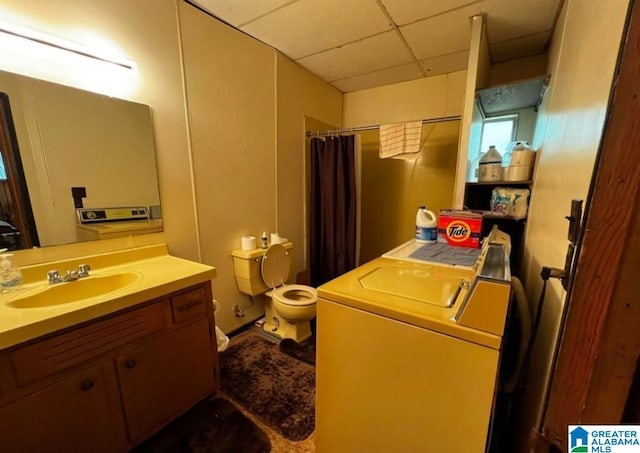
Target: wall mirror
[54,138]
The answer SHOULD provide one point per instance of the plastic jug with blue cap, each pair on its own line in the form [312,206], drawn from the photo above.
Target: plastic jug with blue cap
[426,226]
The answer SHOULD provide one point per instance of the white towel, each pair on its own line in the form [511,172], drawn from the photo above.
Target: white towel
[400,140]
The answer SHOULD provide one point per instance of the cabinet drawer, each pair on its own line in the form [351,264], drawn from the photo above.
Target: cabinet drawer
[62,351]
[189,306]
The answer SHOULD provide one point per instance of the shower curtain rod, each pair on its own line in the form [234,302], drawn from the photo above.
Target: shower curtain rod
[376,126]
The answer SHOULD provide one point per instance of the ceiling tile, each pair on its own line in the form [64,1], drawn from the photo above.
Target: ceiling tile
[407,11]
[440,35]
[308,26]
[387,76]
[361,57]
[526,46]
[446,63]
[532,16]
[351,45]
[238,13]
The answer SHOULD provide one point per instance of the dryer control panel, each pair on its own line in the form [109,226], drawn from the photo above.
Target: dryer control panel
[94,215]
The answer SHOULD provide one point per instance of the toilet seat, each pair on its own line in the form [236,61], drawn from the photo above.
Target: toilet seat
[296,295]
[275,268]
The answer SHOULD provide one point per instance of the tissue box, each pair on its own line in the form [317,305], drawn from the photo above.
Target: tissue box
[460,228]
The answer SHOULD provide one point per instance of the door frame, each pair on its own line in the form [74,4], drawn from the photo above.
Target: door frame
[599,347]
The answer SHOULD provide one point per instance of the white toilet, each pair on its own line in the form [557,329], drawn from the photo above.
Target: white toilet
[288,308]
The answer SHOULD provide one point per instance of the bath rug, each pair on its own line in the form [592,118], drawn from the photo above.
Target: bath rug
[305,351]
[213,426]
[276,388]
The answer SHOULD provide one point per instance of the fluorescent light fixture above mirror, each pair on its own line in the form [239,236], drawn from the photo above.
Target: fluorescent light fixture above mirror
[62,44]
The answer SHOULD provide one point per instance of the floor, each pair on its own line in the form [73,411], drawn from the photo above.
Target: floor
[279,444]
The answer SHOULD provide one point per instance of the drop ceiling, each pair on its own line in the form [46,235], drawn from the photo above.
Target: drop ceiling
[358,44]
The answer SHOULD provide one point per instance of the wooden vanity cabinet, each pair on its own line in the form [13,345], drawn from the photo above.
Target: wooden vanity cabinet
[79,413]
[111,383]
[163,377]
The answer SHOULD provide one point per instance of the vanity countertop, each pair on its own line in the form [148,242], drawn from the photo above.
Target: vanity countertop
[156,274]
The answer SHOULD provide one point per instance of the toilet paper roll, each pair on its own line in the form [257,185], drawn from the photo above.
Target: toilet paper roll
[248,242]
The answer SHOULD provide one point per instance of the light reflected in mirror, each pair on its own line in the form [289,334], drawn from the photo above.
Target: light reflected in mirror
[54,139]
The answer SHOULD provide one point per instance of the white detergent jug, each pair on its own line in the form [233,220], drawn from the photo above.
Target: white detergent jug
[426,225]
[490,167]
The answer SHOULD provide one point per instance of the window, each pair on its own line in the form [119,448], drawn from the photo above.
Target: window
[3,172]
[498,132]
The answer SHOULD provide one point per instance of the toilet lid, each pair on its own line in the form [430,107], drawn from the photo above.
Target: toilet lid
[275,266]
[296,295]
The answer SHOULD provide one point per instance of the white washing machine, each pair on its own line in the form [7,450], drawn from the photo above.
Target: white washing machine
[109,223]
[408,353]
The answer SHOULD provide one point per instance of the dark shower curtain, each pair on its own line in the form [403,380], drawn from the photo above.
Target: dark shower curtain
[333,208]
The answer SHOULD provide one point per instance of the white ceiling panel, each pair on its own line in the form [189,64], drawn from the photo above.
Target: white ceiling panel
[440,35]
[308,26]
[408,11]
[506,21]
[525,46]
[446,63]
[387,76]
[352,45]
[238,13]
[361,57]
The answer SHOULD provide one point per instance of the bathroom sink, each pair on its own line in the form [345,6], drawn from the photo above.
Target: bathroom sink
[64,293]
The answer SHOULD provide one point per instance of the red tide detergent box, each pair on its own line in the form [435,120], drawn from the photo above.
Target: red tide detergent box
[460,228]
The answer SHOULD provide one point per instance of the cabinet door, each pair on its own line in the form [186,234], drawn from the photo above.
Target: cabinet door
[80,413]
[163,378]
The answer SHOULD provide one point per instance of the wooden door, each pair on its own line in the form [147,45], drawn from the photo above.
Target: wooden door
[80,413]
[16,206]
[165,377]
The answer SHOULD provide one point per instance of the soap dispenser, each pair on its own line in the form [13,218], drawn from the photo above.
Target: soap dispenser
[10,277]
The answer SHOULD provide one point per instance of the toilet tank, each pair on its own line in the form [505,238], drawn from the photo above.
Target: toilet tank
[246,267]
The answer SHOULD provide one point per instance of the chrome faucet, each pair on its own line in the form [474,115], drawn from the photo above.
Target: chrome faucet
[83,270]
[53,276]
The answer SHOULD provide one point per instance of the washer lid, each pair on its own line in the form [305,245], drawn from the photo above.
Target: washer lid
[435,285]
[275,266]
